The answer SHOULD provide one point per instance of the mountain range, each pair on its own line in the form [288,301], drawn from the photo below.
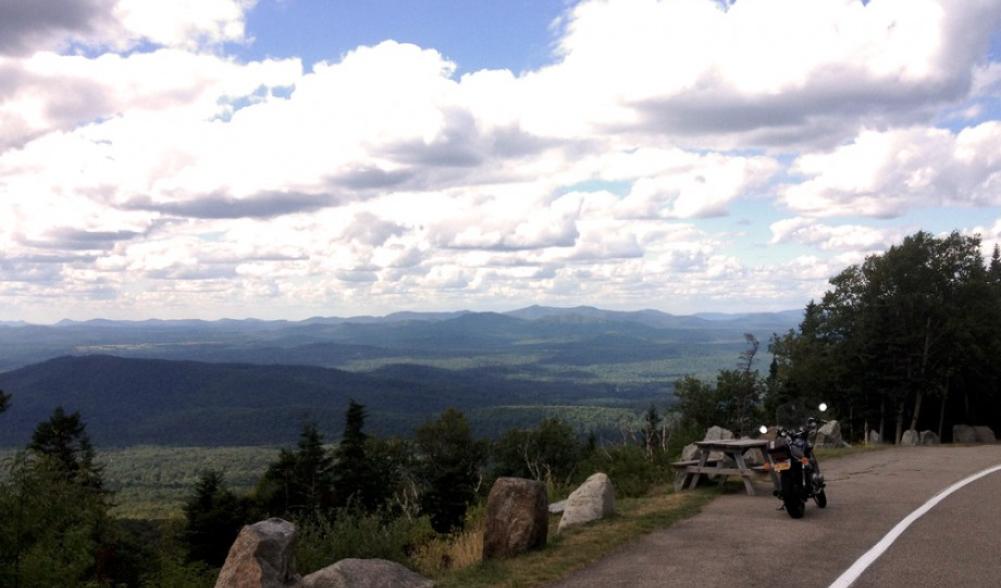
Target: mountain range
[237,382]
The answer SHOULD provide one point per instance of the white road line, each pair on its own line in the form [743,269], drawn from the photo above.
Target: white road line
[851,574]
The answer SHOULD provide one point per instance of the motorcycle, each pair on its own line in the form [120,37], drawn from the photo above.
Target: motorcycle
[799,477]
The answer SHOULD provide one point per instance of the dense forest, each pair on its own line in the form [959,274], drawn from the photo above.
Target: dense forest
[409,500]
[908,339]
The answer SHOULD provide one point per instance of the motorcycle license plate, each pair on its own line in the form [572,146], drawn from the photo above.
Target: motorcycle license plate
[782,466]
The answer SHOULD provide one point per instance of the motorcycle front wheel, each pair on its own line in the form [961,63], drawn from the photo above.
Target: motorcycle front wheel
[821,499]
[792,495]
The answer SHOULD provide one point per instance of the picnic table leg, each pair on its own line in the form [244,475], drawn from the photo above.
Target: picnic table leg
[745,472]
[693,481]
[771,472]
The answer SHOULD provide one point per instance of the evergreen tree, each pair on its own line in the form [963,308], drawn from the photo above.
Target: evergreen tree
[63,438]
[355,479]
[4,401]
[214,516]
[449,469]
[994,270]
[300,481]
[52,529]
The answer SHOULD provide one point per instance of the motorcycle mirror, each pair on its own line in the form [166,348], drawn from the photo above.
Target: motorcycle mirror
[823,407]
[763,429]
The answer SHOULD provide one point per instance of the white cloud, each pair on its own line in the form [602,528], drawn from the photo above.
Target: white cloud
[173,176]
[833,238]
[26,27]
[887,173]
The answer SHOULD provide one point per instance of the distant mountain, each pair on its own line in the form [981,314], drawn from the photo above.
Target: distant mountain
[143,401]
[779,316]
[334,341]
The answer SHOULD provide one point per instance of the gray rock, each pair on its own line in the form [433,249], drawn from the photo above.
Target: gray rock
[929,438]
[874,437]
[592,500]
[829,435]
[261,557]
[754,457]
[715,433]
[517,518]
[557,507]
[963,434]
[984,435]
[910,438]
[365,573]
[690,452]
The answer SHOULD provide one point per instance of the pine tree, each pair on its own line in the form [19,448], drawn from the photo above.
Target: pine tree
[63,438]
[300,481]
[994,270]
[355,480]
[4,401]
[314,468]
[214,516]
[450,460]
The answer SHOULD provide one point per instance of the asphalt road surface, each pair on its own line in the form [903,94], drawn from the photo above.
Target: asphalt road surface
[741,540]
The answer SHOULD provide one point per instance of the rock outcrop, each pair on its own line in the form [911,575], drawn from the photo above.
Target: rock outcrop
[517,518]
[929,438]
[829,435]
[261,557]
[365,573]
[910,438]
[963,434]
[592,500]
[874,437]
[984,435]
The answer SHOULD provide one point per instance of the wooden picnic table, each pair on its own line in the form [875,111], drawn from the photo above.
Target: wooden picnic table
[735,449]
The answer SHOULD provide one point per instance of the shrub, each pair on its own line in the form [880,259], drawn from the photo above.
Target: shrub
[354,534]
[629,468]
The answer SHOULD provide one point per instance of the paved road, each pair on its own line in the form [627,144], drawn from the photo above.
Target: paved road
[741,540]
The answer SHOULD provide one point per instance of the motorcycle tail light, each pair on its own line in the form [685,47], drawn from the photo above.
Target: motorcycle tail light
[804,461]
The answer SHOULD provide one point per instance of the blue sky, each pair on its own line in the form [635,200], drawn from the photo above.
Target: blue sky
[476,34]
[287,158]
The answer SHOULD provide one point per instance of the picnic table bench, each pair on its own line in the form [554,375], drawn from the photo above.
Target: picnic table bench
[690,471]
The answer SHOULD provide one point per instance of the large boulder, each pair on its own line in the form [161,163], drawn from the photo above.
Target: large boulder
[690,452]
[963,434]
[874,437]
[592,500]
[365,573]
[261,557]
[716,433]
[829,435]
[984,435]
[929,438]
[910,438]
[517,518]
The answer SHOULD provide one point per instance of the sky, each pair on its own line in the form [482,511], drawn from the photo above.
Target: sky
[294,158]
